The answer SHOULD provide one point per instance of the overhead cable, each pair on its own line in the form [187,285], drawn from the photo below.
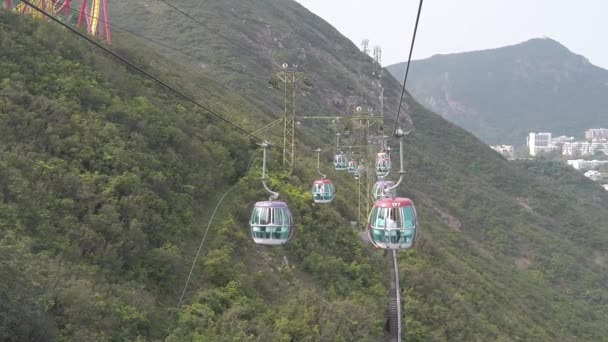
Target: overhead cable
[124,60]
[156,41]
[407,69]
[207,27]
[200,246]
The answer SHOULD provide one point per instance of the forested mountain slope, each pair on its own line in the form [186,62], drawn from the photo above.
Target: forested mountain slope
[108,182]
[502,94]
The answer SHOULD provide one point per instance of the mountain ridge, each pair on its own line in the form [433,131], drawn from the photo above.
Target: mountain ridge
[501,94]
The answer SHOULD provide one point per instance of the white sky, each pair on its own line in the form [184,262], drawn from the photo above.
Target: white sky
[448,26]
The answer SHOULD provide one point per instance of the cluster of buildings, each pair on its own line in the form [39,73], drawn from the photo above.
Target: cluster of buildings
[596,133]
[596,141]
[585,148]
[544,142]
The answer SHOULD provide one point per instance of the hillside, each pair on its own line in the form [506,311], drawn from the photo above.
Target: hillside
[107,184]
[502,94]
[109,181]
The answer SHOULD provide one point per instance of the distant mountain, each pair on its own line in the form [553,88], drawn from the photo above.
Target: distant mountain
[502,94]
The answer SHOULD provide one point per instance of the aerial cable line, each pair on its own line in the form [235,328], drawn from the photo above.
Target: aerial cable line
[155,41]
[124,60]
[138,35]
[207,27]
[407,69]
[200,247]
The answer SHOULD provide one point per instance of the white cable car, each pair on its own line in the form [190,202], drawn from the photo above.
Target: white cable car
[340,162]
[271,222]
[323,191]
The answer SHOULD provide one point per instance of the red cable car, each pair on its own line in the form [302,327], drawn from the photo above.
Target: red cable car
[393,223]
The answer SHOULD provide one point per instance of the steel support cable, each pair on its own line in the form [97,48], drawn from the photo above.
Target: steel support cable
[207,27]
[124,60]
[153,40]
[200,246]
[398,296]
[407,69]
[136,34]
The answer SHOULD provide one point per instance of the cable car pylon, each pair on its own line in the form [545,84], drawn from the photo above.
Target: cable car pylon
[271,222]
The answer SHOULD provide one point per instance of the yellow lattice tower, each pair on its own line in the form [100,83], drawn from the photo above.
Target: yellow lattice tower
[45,5]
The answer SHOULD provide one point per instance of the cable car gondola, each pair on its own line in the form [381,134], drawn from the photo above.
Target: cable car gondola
[323,191]
[352,166]
[393,223]
[383,164]
[340,162]
[271,223]
[379,191]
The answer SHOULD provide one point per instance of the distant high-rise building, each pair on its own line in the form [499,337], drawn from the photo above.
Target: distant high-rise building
[596,133]
[540,142]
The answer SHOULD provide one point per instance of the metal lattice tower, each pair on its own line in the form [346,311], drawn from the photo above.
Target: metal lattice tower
[378,55]
[52,7]
[290,78]
[365,46]
[377,72]
[365,125]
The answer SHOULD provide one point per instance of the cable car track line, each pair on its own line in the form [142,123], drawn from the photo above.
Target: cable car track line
[126,61]
[407,69]
[396,301]
[207,27]
[158,42]
[200,247]
[136,34]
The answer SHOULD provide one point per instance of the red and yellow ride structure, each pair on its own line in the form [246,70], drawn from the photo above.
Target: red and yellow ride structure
[93,14]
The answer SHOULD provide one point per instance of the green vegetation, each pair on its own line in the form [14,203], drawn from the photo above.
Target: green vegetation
[507,245]
[106,186]
[503,94]
[108,182]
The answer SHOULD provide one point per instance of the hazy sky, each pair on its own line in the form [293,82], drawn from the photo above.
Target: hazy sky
[462,25]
